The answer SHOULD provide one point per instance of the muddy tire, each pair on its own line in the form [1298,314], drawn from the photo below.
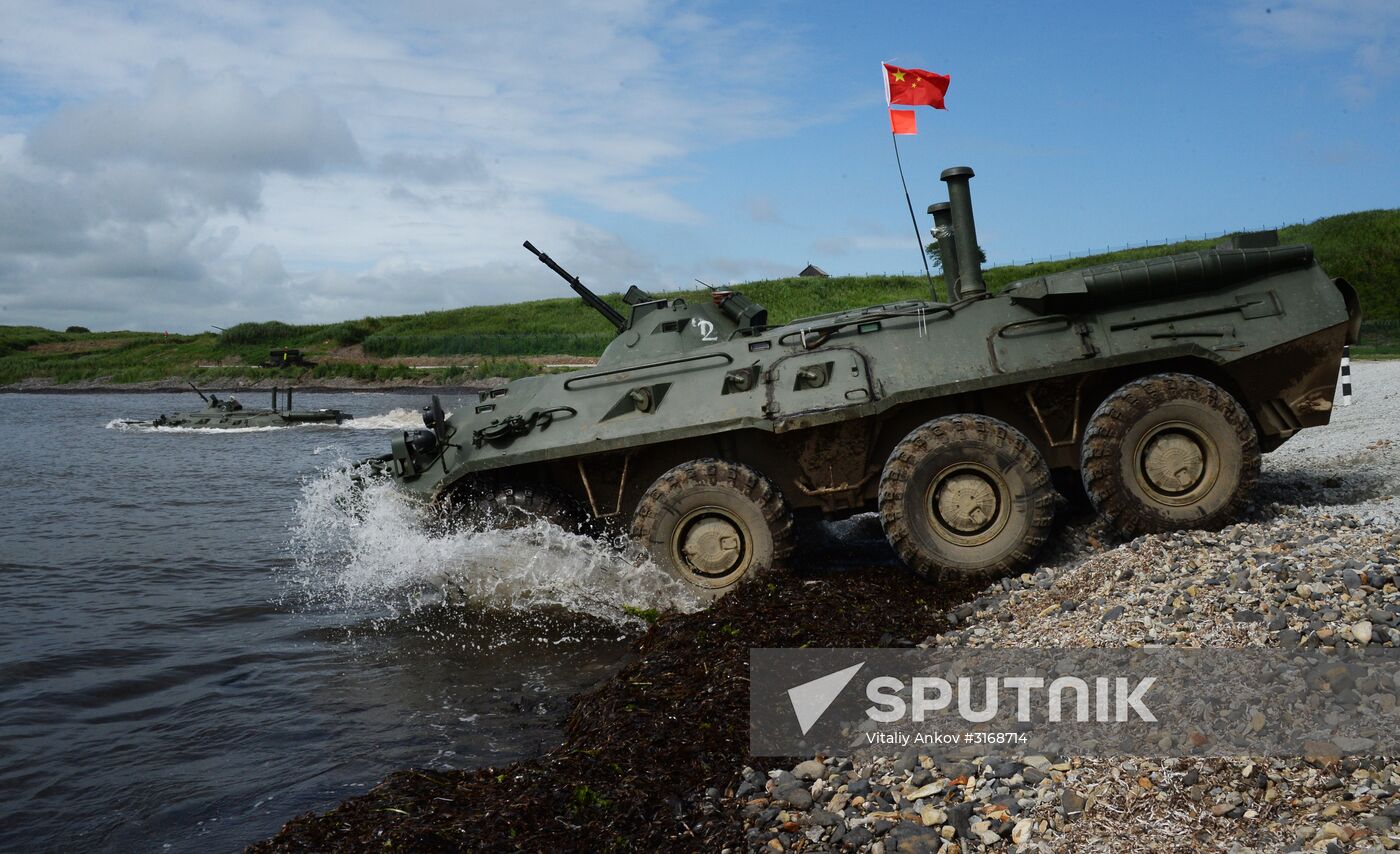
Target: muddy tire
[505,506]
[713,523]
[1169,452]
[966,496]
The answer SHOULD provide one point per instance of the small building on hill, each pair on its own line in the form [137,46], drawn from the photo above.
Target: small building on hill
[814,270]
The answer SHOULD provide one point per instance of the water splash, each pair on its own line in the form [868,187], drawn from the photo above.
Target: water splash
[147,427]
[394,419]
[358,542]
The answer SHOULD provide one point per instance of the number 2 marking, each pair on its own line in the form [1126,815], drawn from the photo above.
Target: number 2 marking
[707,329]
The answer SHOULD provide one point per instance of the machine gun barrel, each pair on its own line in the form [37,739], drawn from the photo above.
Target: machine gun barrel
[197,391]
[596,302]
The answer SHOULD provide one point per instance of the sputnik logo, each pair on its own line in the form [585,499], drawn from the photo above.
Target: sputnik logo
[811,699]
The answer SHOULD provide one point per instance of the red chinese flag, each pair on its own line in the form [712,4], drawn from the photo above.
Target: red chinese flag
[915,87]
[902,122]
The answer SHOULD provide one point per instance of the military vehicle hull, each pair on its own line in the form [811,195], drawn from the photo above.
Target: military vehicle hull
[221,420]
[1155,384]
[229,414]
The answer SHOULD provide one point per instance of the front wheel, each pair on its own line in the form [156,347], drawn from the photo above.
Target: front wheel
[966,496]
[503,505]
[713,523]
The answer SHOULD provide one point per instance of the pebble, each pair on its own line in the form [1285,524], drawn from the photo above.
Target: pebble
[1003,770]
[959,816]
[797,797]
[1292,572]
[1071,804]
[856,837]
[809,770]
[1021,833]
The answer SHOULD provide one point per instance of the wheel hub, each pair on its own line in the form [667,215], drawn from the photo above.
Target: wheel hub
[712,545]
[966,502]
[1173,462]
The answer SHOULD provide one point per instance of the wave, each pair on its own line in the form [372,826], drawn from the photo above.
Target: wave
[394,419]
[148,427]
[357,541]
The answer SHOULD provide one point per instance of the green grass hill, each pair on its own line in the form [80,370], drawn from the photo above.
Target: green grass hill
[1363,247]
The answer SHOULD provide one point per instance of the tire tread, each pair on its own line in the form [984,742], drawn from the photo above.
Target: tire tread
[1110,423]
[710,471]
[907,455]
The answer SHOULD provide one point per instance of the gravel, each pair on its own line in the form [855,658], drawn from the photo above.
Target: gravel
[1313,562]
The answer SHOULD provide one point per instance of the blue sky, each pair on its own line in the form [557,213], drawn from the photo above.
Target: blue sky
[178,166]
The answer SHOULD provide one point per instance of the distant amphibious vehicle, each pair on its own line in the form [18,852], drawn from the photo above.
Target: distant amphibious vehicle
[1154,383]
[229,414]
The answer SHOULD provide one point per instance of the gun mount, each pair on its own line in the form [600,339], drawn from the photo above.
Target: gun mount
[593,301]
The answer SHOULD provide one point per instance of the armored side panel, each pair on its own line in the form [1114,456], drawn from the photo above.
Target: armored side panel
[1267,323]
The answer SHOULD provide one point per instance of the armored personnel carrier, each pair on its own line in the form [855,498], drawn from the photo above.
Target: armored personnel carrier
[228,413]
[704,429]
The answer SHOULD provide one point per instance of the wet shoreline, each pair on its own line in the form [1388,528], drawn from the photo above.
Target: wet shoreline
[648,755]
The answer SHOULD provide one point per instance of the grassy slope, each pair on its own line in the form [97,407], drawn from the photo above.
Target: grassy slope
[1363,247]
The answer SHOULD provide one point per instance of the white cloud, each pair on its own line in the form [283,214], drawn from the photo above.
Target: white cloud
[434,168]
[223,124]
[867,242]
[198,149]
[761,209]
[262,267]
[1368,31]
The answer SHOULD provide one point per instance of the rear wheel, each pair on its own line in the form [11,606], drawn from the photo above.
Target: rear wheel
[966,495]
[1168,452]
[713,523]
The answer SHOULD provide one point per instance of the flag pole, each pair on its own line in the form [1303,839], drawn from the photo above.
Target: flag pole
[918,238]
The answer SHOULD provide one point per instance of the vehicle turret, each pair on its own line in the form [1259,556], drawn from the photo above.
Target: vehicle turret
[659,327]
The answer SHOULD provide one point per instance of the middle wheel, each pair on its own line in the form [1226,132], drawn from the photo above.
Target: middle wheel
[966,495]
[713,523]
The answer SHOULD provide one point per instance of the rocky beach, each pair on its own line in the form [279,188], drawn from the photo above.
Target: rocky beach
[656,757]
[1314,564]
